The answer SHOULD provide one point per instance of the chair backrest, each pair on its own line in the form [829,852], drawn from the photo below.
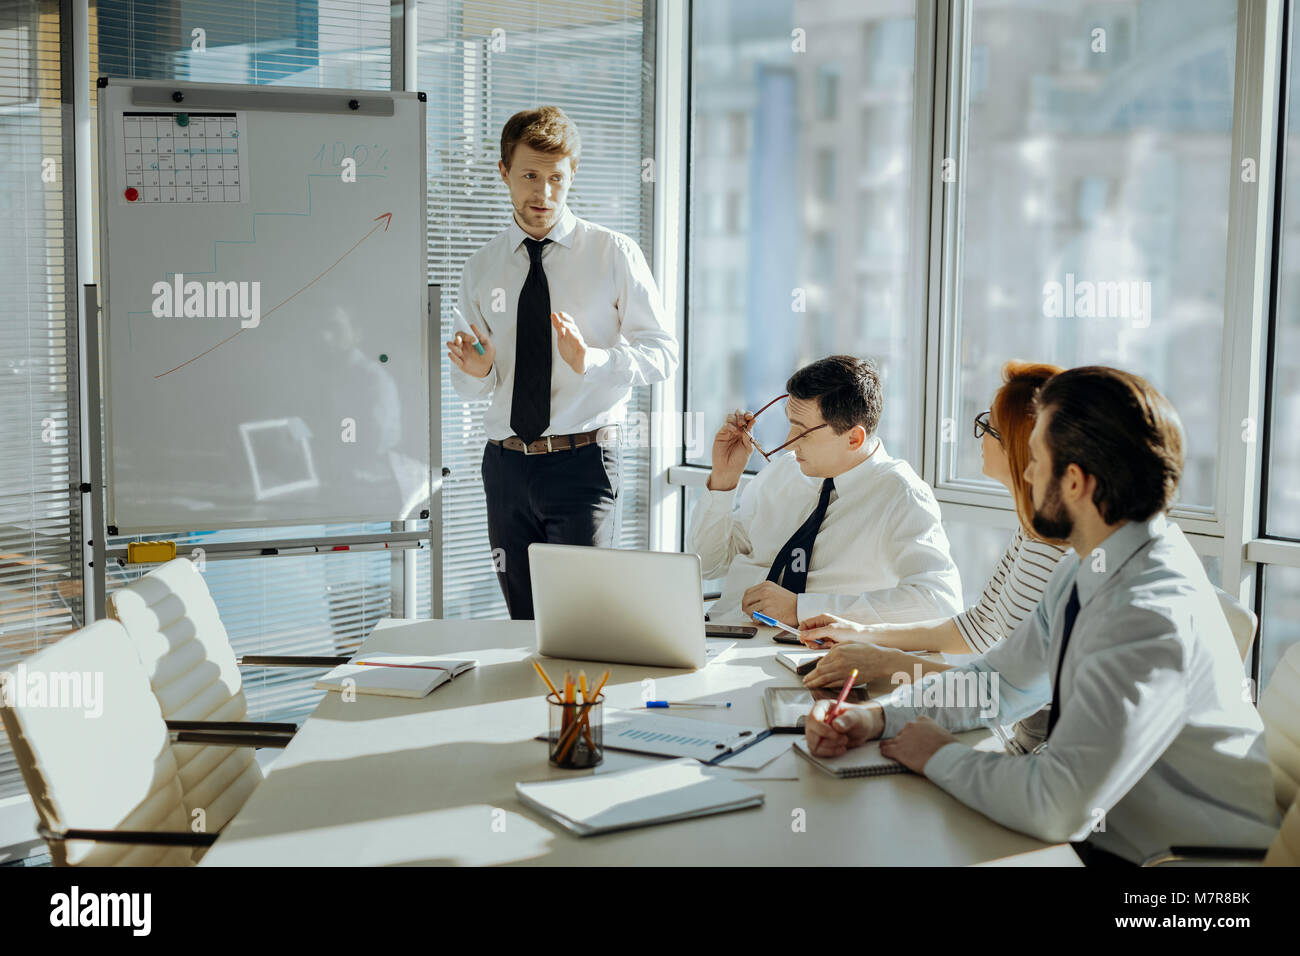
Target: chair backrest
[1241,621]
[172,620]
[93,749]
[1285,850]
[1279,708]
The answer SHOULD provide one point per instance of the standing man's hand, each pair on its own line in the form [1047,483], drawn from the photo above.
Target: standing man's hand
[572,346]
[731,449]
[465,357]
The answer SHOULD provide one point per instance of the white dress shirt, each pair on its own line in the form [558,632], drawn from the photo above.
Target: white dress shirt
[1157,740]
[881,553]
[601,279]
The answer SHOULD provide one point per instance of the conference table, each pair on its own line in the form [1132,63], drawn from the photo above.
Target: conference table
[376,781]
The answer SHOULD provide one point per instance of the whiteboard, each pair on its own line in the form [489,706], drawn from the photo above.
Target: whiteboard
[266,341]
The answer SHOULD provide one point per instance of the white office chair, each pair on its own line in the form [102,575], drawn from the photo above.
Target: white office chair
[106,788]
[1279,707]
[173,622]
[1241,621]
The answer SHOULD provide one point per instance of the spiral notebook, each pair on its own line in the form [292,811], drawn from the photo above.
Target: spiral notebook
[864,761]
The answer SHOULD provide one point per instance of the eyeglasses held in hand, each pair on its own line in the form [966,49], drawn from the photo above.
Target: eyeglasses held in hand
[759,448]
[982,425]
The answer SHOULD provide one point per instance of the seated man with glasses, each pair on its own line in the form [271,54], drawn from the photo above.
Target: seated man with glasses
[833,525]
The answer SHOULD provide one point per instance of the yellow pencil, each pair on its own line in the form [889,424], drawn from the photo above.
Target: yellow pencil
[542,674]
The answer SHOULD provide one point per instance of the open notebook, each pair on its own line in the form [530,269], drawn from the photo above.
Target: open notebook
[665,792]
[393,675]
[864,761]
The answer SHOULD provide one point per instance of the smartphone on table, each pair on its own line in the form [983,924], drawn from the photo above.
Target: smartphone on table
[729,630]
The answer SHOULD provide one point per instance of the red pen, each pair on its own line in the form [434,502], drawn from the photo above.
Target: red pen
[848,686]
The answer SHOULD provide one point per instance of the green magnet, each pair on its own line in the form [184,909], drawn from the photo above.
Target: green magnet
[383,356]
[182,119]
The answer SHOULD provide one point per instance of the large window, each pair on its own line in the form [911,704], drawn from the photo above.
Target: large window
[801,240]
[1082,185]
[1095,204]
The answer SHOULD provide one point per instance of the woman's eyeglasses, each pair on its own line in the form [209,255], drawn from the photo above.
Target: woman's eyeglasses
[982,425]
[768,454]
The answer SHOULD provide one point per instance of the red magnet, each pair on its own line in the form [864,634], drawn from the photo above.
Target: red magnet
[131,194]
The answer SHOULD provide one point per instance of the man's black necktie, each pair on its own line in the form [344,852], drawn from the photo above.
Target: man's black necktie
[795,558]
[530,403]
[1071,612]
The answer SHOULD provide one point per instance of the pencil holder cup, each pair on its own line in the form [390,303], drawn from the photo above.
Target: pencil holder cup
[574,735]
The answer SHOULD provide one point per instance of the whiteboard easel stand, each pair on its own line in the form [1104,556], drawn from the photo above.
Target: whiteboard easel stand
[402,539]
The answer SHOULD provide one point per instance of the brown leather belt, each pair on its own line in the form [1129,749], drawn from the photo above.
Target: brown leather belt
[558,442]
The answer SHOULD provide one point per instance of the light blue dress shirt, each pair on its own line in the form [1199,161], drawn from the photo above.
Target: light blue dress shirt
[1157,744]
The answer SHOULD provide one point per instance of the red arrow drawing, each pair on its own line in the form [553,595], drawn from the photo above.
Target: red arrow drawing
[387,217]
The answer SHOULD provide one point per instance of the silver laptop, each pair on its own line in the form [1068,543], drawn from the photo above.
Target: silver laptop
[628,607]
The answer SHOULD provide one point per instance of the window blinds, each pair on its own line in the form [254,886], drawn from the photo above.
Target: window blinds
[40,559]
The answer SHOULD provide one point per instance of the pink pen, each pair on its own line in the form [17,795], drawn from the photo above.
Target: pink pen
[835,708]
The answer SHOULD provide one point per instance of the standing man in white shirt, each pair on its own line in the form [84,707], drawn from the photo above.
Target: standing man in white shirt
[1151,742]
[835,525]
[562,317]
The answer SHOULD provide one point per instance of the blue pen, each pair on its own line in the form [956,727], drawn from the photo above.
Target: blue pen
[721,704]
[773,622]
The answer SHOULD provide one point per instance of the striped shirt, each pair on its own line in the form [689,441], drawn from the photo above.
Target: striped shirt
[1011,594]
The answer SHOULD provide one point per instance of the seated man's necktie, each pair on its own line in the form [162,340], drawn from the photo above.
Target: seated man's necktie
[795,557]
